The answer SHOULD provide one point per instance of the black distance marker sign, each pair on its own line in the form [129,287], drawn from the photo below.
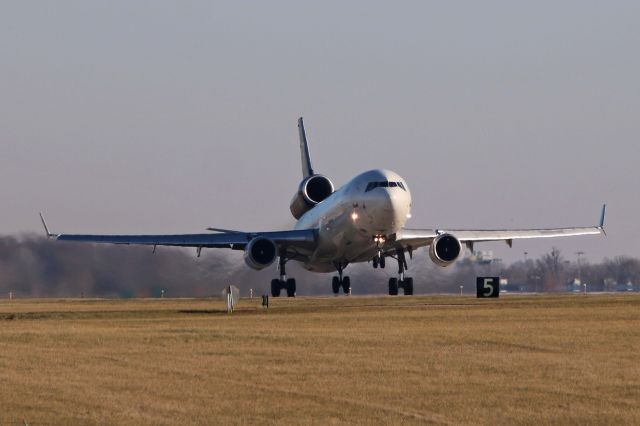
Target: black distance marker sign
[488,287]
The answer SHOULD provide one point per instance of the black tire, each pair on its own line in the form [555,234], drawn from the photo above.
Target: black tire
[346,285]
[375,263]
[275,287]
[408,286]
[291,287]
[393,286]
[382,262]
[335,284]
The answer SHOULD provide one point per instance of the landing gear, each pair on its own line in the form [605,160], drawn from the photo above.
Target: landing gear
[406,284]
[281,283]
[378,261]
[335,285]
[289,285]
[402,282]
[393,286]
[346,285]
[340,281]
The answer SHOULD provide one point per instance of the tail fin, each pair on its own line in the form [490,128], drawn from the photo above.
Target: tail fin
[307,170]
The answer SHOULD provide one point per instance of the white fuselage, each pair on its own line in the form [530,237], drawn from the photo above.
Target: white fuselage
[374,203]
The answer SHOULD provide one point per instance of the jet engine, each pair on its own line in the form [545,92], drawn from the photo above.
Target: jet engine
[445,249]
[260,253]
[311,191]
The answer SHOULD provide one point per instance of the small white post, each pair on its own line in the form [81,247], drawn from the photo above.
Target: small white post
[10,295]
[229,301]
[250,293]
[585,288]
[162,294]
[461,287]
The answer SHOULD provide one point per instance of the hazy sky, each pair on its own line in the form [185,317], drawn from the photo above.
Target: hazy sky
[153,116]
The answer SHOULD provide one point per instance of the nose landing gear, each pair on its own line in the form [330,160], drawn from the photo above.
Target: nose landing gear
[378,260]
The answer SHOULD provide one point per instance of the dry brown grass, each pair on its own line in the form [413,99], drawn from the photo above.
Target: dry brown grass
[520,359]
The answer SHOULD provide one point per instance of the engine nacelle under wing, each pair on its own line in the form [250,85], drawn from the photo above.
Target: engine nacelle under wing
[445,249]
[260,253]
[311,191]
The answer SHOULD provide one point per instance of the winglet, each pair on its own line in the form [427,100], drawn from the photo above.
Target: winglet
[604,210]
[307,170]
[46,228]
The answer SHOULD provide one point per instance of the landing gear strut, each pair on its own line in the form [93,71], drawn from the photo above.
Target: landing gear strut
[278,284]
[340,281]
[405,283]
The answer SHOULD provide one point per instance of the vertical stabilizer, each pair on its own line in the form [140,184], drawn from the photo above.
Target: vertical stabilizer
[307,170]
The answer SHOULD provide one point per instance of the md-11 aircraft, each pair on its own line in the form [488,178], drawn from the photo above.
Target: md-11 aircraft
[363,221]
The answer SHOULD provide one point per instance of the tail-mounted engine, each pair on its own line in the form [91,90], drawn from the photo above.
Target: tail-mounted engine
[445,249]
[312,190]
[260,253]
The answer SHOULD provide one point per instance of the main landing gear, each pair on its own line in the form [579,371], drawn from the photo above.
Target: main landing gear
[283,283]
[402,282]
[340,281]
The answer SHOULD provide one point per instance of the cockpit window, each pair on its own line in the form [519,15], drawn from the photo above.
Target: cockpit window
[384,184]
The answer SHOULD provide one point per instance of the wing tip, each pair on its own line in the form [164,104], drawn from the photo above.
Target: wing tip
[46,228]
[602,217]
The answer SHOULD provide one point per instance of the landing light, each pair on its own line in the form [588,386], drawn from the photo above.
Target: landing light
[408,215]
[354,216]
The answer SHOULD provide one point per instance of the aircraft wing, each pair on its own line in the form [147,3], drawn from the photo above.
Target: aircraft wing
[298,241]
[415,238]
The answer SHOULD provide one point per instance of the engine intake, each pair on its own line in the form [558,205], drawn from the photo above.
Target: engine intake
[311,191]
[260,253]
[445,249]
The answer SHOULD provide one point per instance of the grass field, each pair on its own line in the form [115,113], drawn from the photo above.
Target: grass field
[438,359]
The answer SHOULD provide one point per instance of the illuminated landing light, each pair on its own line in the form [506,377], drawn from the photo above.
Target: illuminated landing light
[408,215]
[378,239]
[354,216]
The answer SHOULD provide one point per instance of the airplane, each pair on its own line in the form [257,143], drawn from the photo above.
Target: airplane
[363,221]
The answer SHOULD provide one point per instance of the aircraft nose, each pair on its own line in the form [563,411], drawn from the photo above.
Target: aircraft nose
[390,211]
[398,203]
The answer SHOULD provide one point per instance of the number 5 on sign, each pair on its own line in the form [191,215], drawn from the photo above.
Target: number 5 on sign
[488,286]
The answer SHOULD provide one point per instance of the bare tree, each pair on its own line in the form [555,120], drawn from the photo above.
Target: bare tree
[551,267]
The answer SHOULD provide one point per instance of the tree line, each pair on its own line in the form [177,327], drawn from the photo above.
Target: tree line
[32,266]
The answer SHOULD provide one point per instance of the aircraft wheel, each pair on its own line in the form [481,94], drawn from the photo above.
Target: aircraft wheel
[393,286]
[375,262]
[408,286]
[346,284]
[275,287]
[335,284]
[291,287]
[382,262]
